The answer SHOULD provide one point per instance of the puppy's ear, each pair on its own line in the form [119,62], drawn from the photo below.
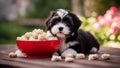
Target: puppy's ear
[76,21]
[52,13]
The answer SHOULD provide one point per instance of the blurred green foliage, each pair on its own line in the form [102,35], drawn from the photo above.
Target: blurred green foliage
[10,30]
[42,8]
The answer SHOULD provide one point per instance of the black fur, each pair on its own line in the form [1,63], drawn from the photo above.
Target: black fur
[86,42]
[85,39]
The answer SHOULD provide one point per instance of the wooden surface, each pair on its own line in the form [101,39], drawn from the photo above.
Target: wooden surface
[6,62]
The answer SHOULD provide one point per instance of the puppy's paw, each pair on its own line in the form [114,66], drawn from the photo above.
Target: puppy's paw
[69,52]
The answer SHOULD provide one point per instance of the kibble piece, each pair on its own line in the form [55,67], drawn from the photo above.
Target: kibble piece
[105,56]
[56,58]
[12,55]
[39,31]
[35,35]
[32,39]
[22,38]
[69,55]
[80,56]
[69,59]
[34,30]
[92,57]
[28,34]
[42,36]
[49,36]
[19,38]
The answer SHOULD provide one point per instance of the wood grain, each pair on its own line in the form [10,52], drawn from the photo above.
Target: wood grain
[6,62]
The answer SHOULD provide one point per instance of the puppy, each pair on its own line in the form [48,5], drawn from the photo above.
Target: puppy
[65,25]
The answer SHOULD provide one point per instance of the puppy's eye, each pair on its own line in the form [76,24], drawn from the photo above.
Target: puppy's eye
[54,21]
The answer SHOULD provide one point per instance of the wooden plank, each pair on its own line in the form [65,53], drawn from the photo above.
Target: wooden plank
[45,62]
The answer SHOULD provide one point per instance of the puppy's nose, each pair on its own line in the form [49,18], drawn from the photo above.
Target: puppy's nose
[60,28]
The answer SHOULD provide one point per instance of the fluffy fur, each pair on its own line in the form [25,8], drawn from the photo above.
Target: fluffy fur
[64,25]
[76,41]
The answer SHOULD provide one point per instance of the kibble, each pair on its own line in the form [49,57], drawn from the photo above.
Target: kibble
[69,59]
[37,34]
[80,56]
[56,58]
[92,57]
[12,55]
[105,56]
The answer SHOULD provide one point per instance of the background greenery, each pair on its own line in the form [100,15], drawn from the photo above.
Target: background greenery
[9,30]
[42,8]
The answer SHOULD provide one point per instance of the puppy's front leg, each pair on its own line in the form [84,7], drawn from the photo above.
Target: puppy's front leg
[69,51]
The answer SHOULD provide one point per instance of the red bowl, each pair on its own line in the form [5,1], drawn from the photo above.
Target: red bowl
[38,49]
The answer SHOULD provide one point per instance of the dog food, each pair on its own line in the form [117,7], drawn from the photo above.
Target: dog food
[80,56]
[69,59]
[12,55]
[56,58]
[37,34]
[105,56]
[92,57]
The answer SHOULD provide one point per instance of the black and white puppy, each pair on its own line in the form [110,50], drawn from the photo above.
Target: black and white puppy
[64,25]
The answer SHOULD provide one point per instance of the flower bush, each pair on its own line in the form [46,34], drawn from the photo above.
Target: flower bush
[105,27]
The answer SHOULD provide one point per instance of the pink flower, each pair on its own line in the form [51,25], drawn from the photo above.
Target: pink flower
[118,14]
[114,9]
[110,12]
[96,25]
[104,21]
[108,19]
[114,28]
[109,16]
[117,20]
[99,18]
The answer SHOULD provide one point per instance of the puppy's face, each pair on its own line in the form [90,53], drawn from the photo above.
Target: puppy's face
[62,23]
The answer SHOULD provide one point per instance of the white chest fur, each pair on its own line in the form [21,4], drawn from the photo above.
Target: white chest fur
[65,45]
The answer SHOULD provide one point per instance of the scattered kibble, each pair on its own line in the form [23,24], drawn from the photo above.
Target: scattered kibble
[105,56]
[80,56]
[92,57]
[56,58]
[69,59]
[12,55]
